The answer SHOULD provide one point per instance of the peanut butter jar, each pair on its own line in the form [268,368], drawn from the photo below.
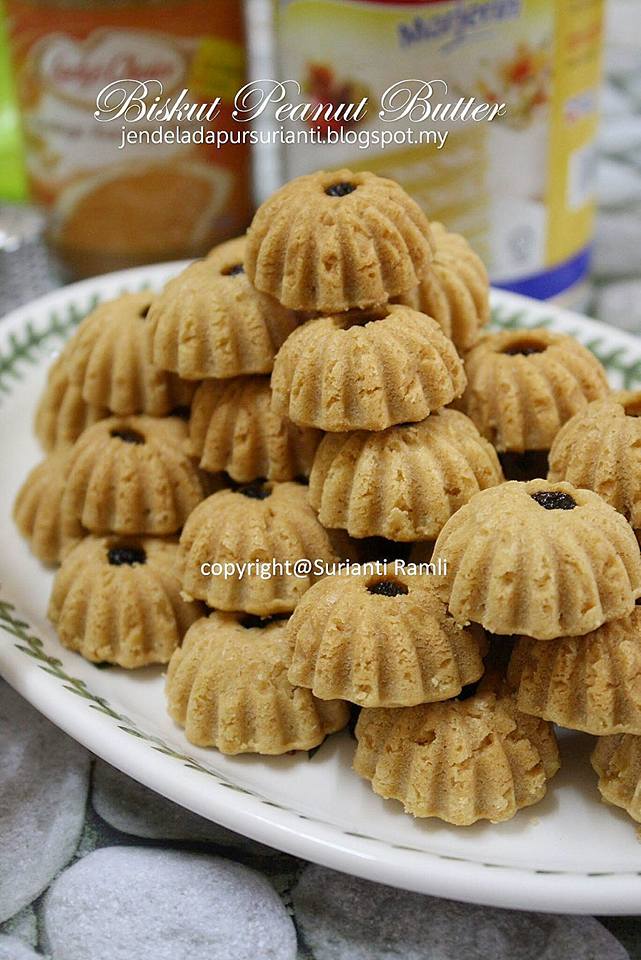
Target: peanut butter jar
[125,107]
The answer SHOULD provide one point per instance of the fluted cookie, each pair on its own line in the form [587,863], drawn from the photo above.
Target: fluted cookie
[209,321]
[232,536]
[541,559]
[233,429]
[117,600]
[455,289]
[109,359]
[402,483]
[600,449]
[131,475]
[366,370]
[381,641]
[40,513]
[460,761]
[523,385]
[227,686]
[590,683]
[617,761]
[337,240]
[62,413]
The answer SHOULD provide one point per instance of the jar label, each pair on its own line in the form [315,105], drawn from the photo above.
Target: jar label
[115,196]
[521,187]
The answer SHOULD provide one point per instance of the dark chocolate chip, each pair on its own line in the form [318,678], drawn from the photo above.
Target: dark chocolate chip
[387,588]
[234,270]
[525,349]
[340,189]
[554,500]
[126,556]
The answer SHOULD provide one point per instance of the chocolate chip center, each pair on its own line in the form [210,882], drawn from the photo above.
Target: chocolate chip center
[121,556]
[128,436]
[255,491]
[144,311]
[340,189]
[554,500]
[524,348]
[234,270]
[251,622]
[387,588]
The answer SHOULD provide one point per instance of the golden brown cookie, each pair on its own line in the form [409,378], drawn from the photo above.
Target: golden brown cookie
[455,289]
[402,483]
[366,371]
[131,475]
[381,641]
[460,761]
[210,322]
[109,359]
[523,385]
[233,429]
[40,514]
[600,449]
[227,686]
[590,683]
[239,548]
[335,240]
[62,413]
[541,559]
[117,600]
[617,761]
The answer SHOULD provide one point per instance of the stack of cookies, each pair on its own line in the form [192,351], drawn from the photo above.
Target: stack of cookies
[222,454]
[592,682]
[114,490]
[334,249]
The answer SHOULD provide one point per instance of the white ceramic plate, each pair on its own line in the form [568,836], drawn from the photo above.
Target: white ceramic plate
[570,853]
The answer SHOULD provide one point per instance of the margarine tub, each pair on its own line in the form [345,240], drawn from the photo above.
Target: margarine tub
[518,179]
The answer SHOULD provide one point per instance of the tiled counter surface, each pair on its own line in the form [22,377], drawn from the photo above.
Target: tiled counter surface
[95,867]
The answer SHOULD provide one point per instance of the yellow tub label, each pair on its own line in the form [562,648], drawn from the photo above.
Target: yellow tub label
[519,187]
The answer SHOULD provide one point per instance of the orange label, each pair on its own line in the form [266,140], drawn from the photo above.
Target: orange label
[145,183]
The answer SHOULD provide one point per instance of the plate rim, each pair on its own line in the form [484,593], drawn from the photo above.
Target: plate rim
[257,817]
